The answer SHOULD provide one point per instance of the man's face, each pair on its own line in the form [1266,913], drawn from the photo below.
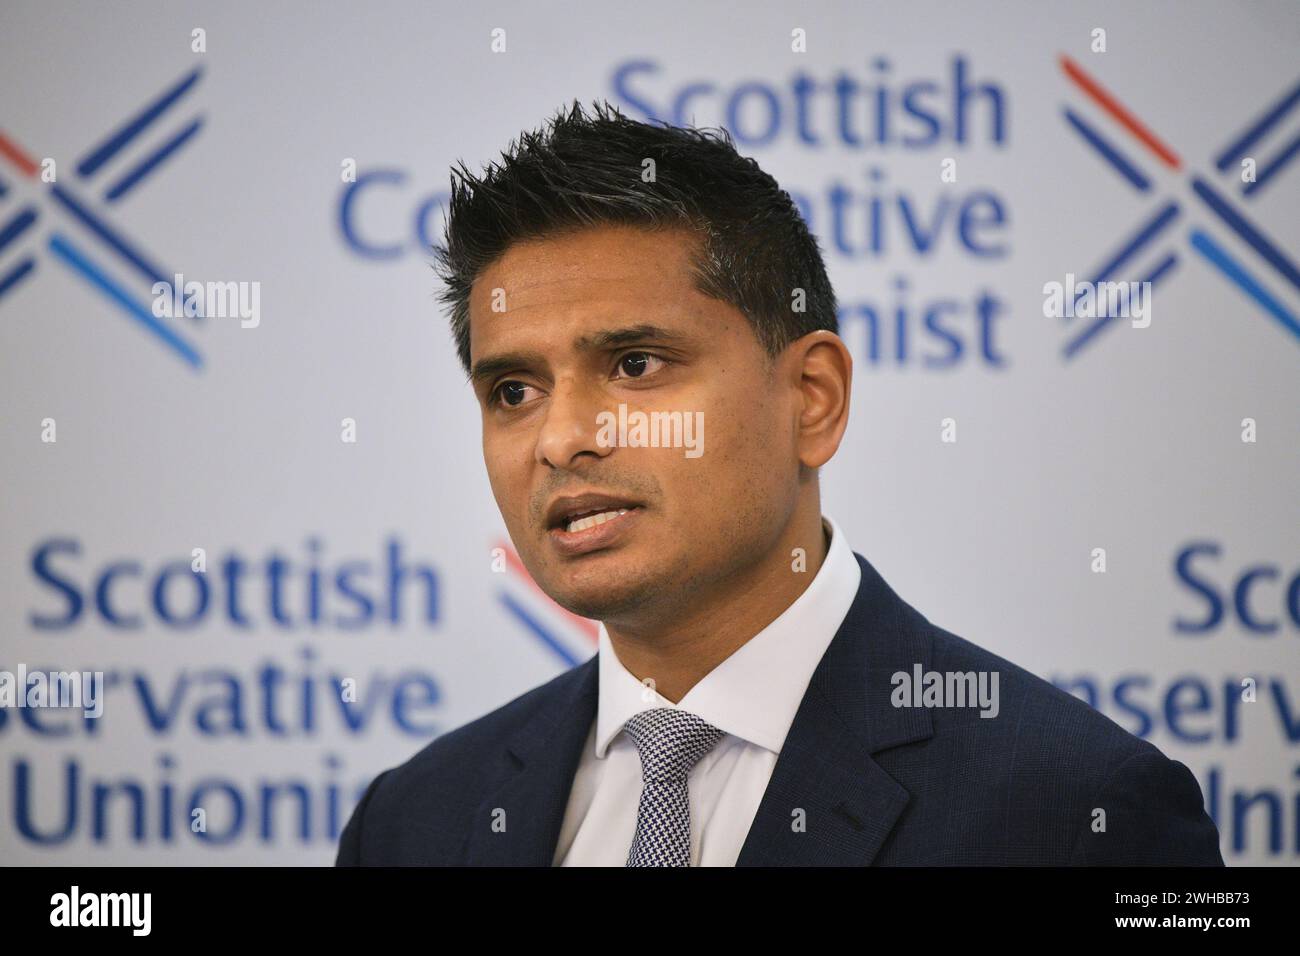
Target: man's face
[605,316]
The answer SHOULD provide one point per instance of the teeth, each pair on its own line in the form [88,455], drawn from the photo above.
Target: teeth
[590,521]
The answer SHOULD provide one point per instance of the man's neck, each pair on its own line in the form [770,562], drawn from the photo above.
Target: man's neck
[678,655]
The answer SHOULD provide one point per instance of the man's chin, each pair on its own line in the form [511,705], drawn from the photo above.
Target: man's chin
[602,597]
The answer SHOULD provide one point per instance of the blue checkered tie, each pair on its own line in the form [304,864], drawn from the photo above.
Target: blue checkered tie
[670,742]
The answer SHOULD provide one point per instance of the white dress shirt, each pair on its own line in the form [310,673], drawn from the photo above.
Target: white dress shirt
[752,696]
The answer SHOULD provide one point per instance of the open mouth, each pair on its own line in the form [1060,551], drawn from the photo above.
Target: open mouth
[590,519]
[574,514]
[582,524]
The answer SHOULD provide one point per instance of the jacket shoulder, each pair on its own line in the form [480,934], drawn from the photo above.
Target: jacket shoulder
[426,801]
[1047,778]
[1038,714]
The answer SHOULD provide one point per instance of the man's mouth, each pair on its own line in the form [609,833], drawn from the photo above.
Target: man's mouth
[591,519]
[590,522]
[574,513]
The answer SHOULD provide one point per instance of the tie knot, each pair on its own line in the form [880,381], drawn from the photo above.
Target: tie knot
[671,742]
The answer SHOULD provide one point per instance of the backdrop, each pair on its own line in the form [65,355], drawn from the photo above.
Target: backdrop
[268,524]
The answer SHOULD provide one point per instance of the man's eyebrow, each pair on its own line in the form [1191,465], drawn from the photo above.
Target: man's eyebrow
[594,342]
[487,368]
[612,338]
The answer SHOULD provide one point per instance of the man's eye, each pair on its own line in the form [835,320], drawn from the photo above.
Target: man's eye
[512,392]
[637,364]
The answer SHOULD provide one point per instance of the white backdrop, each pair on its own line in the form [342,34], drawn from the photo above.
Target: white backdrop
[232,442]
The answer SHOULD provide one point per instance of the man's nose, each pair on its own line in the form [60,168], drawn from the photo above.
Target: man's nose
[570,426]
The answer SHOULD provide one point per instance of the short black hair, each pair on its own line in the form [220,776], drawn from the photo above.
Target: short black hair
[584,170]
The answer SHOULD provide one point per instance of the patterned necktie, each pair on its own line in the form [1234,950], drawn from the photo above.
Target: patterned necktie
[670,742]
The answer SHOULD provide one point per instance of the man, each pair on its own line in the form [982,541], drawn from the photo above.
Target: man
[760,696]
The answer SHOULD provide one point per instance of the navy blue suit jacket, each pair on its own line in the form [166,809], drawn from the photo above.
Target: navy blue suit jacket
[877,784]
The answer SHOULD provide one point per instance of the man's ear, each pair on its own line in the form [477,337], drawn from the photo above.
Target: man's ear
[824,370]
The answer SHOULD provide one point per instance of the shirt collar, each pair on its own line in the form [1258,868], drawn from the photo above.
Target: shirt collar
[780,659]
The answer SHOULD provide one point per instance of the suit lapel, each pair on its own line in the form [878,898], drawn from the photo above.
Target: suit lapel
[829,803]
[518,824]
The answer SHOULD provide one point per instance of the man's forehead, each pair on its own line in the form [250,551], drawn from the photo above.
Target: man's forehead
[609,262]
[595,279]
[584,321]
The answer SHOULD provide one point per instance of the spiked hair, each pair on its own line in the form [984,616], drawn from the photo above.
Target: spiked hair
[584,170]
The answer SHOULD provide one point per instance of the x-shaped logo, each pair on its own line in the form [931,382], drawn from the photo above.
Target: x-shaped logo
[1156,225]
[72,254]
